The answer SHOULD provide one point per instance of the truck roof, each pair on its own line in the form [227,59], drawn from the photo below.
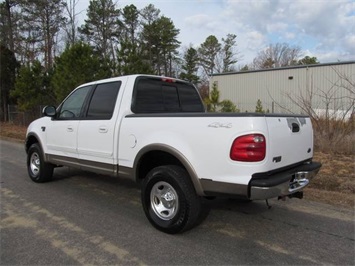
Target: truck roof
[127,77]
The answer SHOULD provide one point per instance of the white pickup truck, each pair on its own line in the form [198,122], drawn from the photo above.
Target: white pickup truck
[155,131]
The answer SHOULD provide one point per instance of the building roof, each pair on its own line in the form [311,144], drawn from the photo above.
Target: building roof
[284,68]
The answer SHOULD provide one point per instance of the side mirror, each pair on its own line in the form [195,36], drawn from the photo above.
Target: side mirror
[49,111]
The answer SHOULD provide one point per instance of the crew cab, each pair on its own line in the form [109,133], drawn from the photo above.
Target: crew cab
[155,130]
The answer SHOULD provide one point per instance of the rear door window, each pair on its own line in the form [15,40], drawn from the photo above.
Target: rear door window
[102,103]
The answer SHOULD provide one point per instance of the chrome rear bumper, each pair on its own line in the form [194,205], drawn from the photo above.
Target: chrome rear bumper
[284,183]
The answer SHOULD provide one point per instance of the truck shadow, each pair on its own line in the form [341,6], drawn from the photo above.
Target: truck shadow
[238,205]
[119,188]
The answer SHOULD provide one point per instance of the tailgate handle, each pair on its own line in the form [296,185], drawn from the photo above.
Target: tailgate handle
[295,127]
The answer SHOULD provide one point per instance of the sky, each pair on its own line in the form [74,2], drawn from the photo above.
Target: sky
[322,28]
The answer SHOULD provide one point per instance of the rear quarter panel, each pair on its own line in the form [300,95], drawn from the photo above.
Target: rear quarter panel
[204,141]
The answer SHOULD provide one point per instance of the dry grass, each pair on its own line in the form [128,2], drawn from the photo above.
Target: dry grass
[330,197]
[12,131]
[334,184]
[334,136]
[337,173]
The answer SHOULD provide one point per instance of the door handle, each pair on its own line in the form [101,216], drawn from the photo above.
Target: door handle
[103,129]
[70,129]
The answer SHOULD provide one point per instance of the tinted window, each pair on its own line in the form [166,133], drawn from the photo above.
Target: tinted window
[152,95]
[148,96]
[190,99]
[170,98]
[72,106]
[103,101]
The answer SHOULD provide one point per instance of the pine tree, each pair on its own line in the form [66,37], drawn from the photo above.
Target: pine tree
[228,54]
[76,65]
[212,101]
[102,27]
[149,14]
[8,70]
[308,61]
[161,35]
[130,56]
[259,107]
[208,52]
[190,66]
[6,24]
[32,87]
[131,60]
[227,106]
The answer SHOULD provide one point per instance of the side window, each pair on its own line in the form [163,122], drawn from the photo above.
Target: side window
[71,107]
[103,101]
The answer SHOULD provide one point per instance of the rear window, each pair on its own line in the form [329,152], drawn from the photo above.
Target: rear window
[155,95]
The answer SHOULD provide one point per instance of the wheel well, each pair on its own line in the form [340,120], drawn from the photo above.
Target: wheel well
[154,159]
[29,141]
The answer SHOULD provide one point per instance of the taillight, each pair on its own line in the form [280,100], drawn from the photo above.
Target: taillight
[248,148]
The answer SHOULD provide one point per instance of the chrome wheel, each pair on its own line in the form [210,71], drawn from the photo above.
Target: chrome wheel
[35,163]
[164,200]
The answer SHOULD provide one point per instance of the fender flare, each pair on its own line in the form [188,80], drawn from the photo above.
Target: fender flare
[178,155]
[33,134]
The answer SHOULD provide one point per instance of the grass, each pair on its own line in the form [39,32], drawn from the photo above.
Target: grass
[334,184]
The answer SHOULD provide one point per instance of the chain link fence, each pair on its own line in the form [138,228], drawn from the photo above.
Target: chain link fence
[18,117]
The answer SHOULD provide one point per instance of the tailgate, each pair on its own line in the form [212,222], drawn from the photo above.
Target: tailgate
[290,140]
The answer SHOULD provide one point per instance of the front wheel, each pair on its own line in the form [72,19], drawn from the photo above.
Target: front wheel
[169,199]
[38,170]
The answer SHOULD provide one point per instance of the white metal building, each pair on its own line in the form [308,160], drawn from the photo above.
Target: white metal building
[323,87]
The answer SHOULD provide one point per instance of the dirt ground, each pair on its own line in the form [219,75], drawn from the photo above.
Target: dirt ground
[334,184]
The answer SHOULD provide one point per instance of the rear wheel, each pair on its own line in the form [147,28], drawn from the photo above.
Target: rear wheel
[169,199]
[38,170]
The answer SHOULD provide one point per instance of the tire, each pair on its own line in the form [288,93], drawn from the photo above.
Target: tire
[169,199]
[38,170]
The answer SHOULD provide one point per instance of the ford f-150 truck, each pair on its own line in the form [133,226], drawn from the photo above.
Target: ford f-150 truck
[156,131]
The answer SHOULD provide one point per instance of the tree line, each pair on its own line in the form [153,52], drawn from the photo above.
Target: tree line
[45,53]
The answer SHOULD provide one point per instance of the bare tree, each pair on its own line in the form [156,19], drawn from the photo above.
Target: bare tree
[332,111]
[277,55]
[42,21]
[71,19]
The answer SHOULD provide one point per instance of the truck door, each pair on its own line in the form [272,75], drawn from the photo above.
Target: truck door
[63,129]
[96,131]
